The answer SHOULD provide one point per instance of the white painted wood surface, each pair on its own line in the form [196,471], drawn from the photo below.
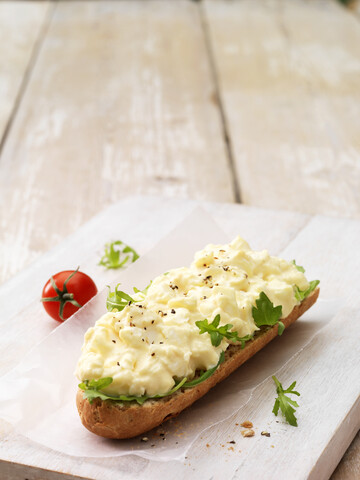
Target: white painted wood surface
[296,66]
[325,253]
[289,76]
[120,101]
[20,29]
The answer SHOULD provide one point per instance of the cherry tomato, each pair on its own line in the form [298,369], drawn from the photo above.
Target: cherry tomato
[65,292]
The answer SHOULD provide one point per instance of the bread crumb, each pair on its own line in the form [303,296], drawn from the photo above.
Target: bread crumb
[248,432]
[247,424]
[265,434]
[144,439]
[207,445]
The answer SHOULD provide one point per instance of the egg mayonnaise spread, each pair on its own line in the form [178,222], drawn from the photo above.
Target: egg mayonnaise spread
[155,341]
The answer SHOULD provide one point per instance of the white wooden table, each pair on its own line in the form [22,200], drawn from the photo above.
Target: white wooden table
[245,101]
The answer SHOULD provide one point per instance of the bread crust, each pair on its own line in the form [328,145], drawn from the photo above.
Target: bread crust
[116,420]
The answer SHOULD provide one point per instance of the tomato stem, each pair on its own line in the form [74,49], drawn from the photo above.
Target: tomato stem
[68,296]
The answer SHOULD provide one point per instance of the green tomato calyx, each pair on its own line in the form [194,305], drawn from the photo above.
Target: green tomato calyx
[63,296]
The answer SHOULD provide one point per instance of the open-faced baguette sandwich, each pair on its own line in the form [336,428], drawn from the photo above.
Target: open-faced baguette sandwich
[159,350]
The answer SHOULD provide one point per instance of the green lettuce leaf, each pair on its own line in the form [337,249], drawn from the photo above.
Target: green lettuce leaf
[300,295]
[204,376]
[92,388]
[299,267]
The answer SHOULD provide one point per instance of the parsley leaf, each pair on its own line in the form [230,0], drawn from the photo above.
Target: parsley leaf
[92,388]
[299,267]
[217,334]
[285,403]
[266,314]
[117,254]
[117,299]
[300,295]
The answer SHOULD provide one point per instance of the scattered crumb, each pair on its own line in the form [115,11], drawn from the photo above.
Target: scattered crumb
[153,445]
[247,424]
[237,424]
[207,445]
[272,446]
[144,439]
[248,432]
[232,441]
[231,448]
[265,434]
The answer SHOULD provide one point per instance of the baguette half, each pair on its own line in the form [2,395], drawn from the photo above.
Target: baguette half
[111,419]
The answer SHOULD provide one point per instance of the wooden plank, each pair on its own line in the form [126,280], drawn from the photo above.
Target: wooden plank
[355,6]
[289,75]
[16,471]
[235,219]
[20,30]
[349,467]
[125,108]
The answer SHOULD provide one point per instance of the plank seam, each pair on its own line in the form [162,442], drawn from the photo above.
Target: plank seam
[14,470]
[324,465]
[27,73]
[220,103]
[297,233]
